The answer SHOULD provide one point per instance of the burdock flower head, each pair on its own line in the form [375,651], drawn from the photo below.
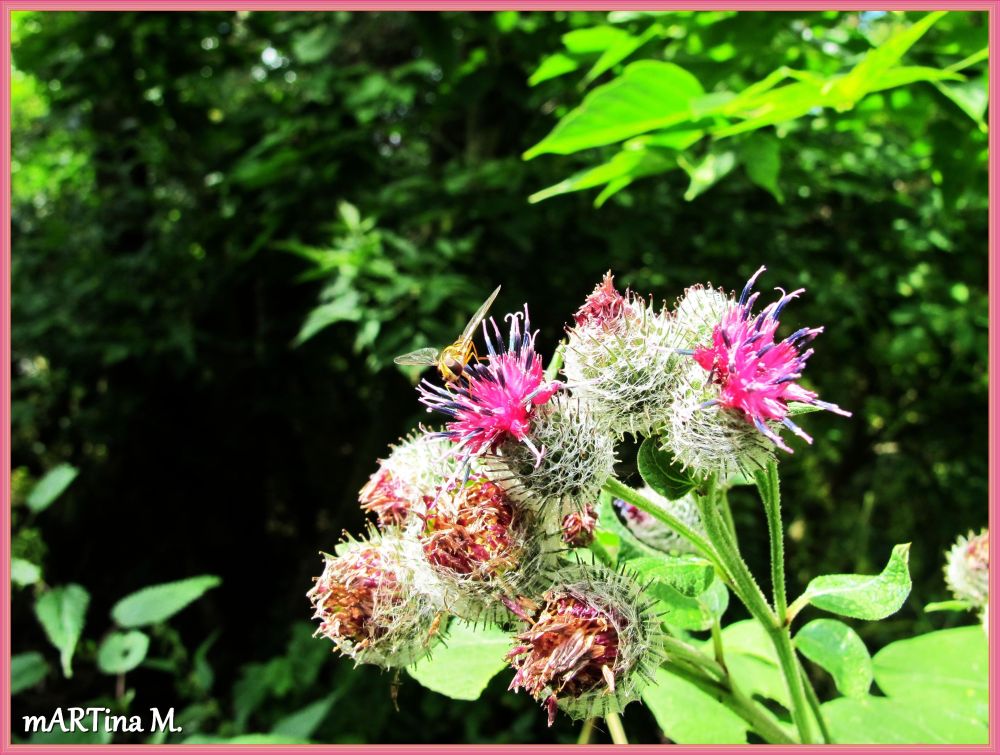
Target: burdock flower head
[621,359]
[579,457]
[578,527]
[650,531]
[967,569]
[495,400]
[366,604]
[591,646]
[420,464]
[477,544]
[755,374]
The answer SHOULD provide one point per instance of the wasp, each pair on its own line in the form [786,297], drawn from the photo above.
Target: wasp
[451,360]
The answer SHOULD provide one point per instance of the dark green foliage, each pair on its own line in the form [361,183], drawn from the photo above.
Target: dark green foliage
[188,188]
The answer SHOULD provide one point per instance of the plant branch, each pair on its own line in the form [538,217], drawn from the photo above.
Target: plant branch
[615,729]
[770,495]
[586,732]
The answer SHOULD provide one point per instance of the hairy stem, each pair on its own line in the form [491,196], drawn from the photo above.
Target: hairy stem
[814,706]
[615,729]
[634,497]
[585,732]
[770,495]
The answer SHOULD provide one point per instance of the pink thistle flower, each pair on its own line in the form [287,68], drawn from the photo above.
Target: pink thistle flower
[494,401]
[578,527]
[755,373]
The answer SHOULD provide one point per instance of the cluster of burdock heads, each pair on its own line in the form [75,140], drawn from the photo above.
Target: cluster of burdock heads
[479,519]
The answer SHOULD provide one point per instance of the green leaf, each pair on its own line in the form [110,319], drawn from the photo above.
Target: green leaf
[861,79]
[685,612]
[950,665]
[632,164]
[687,715]
[120,652]
[661,473]
[552,67]
[51,486]
[751,659]
[864,597]
[24,573]
[26,670]
[619,50]
[463,666]
[648,95]
[707,172]
[689,575]
[838,649]
[302,723]
[972,97]
[593,40]
[157,603]
[885,720]
[761,158]
[62,612]
[903,75]
[342,309]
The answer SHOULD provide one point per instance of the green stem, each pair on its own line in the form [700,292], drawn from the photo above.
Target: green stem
[759,718]
[683,651]
[781,637]
[814,706]
[770,494]
[615,729]
[637,499]
[727,514]
[585,732]
[720,656]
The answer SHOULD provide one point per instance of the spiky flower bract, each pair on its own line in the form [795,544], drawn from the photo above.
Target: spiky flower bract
[579,458]
[651,531]
[592,646]
[967,568]
[416,467]
[367,606]
[755,374]
[474,545]
[621,359]
[495,400]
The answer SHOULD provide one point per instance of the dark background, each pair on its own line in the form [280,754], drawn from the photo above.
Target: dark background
[176,217]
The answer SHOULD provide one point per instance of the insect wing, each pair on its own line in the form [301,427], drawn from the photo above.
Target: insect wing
[477,318]
[419,358]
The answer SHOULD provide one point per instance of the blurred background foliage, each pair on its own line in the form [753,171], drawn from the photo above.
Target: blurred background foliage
[225,225]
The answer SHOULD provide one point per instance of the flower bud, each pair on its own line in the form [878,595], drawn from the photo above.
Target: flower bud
[621,359]
[967,568]
[578,527]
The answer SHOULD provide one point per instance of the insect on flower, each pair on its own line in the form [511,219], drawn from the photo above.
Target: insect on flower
[451,361]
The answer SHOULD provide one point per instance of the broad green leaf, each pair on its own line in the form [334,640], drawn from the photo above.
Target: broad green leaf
[648,95]
[552,67]
[120,652]
[463,665]
[677,138]
[687,715]
[685,612]
[593,40]
[971,96]
[24,573]
[302,723]
[886,720]
[707,172]
[62,611]
[689,575]
[835,647]
[859,81]
[51,486]
[157,603]
[950,665]
[903,75]
[26,670]
[659,471]
[751,659]
[761,158]
[632,163]
[620,50]
[864,597]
